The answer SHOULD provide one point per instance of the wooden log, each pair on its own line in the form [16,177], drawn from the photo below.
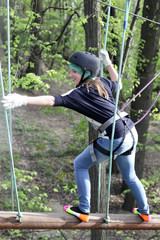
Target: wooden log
[9,220]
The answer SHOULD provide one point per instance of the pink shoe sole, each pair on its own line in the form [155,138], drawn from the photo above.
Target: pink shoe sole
[65,207]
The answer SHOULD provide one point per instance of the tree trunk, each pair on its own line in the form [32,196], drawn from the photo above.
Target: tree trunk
[148,52]
[92,27]
[35,56]
[92,38]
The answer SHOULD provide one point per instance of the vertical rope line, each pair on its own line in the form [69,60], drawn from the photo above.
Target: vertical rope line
[106,33]
[10,149]
[9,90]
[9,62]
[8,37]
[105,43]
[116,105]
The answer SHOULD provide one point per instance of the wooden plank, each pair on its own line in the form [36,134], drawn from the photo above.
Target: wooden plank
[9,220]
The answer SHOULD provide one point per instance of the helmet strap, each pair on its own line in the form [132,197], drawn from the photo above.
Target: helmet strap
[82,79]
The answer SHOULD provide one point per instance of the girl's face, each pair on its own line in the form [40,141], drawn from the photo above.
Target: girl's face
[76,76]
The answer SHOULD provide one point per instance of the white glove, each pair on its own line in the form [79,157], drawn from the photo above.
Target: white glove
[104,56]
[14,100]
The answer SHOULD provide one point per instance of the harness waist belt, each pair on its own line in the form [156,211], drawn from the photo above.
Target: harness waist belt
[105,125]
[107,153]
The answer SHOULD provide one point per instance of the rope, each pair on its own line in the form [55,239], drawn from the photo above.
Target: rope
[140,92]
[9,90]
[116,105]
[147,19]
[106,34]
[105,43]
[10,149]
[9,123]
[8,38]
[148,109]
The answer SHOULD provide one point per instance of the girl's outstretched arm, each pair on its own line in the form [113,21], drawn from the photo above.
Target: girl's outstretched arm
[16,100]
[46,101]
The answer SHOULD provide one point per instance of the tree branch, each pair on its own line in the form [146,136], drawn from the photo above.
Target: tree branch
[63,30]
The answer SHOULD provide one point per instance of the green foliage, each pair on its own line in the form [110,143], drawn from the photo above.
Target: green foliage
[16,233]
[150,186]
[156,139]
[70,186]
[130,235]
[31,197]
[31,81]
[155,114]
[43,30]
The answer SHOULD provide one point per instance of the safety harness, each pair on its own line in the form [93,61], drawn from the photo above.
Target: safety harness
[102,129]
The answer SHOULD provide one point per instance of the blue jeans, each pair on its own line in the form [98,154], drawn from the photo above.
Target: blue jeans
[126,165]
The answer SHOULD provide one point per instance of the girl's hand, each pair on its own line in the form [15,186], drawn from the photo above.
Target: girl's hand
[104,56]
[13,100]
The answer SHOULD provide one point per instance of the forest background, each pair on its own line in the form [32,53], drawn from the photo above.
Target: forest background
[44,34]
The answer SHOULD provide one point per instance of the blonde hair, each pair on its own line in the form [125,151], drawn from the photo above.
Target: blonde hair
[98,85]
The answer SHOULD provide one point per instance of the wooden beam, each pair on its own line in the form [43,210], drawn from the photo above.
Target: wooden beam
[9,220]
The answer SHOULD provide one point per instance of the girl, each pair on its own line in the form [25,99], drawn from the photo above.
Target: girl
[93,98]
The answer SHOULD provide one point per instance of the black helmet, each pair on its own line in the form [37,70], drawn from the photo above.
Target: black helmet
[87,61]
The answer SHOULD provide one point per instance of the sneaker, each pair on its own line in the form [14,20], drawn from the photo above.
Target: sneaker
[77,212]
[145,217]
